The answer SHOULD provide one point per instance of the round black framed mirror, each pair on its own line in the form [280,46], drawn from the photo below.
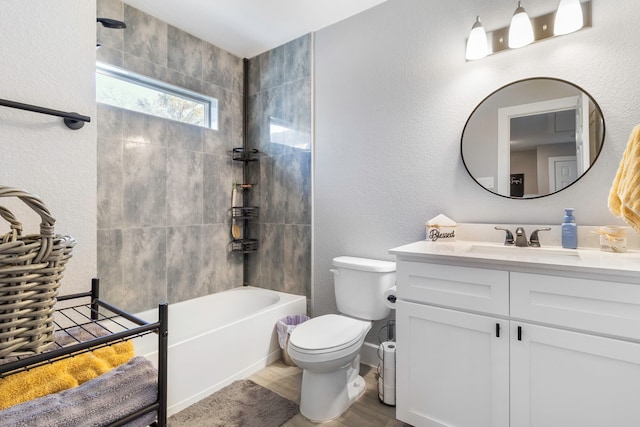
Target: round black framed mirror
[532,138]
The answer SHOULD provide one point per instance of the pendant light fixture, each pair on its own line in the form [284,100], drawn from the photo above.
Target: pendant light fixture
[568,17]
[477,42]
[520,30]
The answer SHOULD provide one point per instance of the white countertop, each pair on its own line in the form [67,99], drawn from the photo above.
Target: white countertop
[495,255]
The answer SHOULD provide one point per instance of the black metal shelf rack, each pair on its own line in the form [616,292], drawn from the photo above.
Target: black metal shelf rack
[119,325]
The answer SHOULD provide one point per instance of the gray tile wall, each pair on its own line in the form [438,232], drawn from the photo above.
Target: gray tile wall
[280,93]
[164,187]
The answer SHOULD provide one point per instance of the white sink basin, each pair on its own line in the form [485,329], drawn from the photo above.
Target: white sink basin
[528,252]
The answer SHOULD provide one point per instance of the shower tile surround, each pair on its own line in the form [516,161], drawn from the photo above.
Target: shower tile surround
[280,92]
[164,188]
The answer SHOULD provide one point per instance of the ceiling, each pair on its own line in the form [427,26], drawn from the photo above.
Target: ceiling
[247,28]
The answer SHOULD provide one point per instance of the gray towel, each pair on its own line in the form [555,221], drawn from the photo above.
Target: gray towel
[95,403]
[69,336]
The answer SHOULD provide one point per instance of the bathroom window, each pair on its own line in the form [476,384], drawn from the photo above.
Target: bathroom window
[124,89]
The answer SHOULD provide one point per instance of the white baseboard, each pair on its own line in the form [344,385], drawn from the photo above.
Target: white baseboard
[369,354]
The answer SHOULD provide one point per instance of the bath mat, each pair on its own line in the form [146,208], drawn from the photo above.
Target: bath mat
[240,404]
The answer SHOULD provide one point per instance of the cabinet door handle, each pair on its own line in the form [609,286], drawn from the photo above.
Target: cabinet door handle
[519,333]
[497,330]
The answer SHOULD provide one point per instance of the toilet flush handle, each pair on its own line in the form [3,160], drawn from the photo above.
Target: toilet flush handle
[334,271]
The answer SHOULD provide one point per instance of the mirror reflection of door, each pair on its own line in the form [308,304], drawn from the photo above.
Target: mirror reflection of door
[529,134]
[585,146]
[563,171]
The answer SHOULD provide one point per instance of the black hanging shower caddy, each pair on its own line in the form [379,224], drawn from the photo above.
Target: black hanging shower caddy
[244,213]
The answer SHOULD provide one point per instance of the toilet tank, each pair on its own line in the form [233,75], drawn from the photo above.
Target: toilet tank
[360,284]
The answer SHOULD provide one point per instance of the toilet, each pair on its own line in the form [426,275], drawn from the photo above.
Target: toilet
[327,347]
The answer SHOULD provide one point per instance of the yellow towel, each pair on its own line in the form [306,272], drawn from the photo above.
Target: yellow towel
[62,374]
[624,197]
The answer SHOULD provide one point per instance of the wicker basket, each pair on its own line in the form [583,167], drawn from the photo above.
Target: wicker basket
[30,274]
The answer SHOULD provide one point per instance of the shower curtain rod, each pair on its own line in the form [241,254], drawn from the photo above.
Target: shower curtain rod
[72,120]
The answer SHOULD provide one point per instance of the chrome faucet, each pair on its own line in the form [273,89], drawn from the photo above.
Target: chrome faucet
[533,240]
[521,237]
[508,237]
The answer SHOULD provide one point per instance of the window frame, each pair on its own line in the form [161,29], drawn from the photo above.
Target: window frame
[210,103]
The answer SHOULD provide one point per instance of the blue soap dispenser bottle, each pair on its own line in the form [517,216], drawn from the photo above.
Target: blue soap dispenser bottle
[569,230]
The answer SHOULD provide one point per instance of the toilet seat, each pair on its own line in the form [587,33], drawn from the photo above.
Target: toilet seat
[328,334]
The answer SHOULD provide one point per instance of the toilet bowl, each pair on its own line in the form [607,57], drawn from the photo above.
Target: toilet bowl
[327,347]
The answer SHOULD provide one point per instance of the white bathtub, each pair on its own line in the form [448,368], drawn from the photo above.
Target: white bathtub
[219,338]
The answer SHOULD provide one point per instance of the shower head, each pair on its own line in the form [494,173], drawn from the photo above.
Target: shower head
[111,23]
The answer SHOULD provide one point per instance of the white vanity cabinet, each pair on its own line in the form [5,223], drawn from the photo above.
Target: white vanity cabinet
[505,345]
[452,369]
[561,378]
[575,359]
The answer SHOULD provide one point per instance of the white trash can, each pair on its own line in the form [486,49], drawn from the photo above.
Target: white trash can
[284,327]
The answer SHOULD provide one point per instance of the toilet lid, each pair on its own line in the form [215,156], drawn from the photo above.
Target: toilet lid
[328,332]
[364,264]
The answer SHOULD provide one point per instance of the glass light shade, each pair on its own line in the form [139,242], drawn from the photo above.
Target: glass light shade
[568,17]
[520,30]
[477,43]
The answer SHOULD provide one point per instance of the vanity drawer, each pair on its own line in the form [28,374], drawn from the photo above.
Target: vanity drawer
[592,305]
[475,289]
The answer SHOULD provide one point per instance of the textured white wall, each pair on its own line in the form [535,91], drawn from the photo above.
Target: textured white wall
[48,59]
[392,94]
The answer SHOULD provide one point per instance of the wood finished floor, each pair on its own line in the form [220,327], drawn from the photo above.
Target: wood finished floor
[365,412]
